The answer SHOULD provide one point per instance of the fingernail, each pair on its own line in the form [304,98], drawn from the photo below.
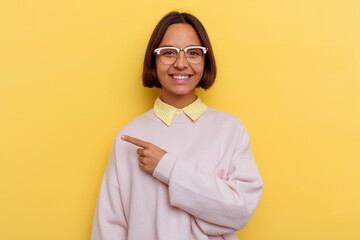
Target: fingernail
[123,137]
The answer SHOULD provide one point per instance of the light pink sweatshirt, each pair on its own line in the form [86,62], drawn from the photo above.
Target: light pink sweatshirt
[205,187]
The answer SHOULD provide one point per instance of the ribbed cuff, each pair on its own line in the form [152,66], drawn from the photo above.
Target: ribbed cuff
[164,167]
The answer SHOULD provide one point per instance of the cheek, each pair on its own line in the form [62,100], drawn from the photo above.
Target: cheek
[157,66]
[160,68]
[200,70]
[161,72]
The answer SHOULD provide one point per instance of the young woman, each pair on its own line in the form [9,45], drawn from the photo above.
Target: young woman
[182,170]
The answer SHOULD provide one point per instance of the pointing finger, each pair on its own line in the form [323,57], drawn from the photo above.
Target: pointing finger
[135,141]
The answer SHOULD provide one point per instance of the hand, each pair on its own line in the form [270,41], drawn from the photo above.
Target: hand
[149,154]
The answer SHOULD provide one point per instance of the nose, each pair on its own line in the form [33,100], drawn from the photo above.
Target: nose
[181,62]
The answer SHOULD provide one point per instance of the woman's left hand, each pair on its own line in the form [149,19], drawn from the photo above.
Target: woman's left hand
[149,154]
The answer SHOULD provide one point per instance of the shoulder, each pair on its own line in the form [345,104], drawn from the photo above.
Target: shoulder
[227,123]
[219,116]
[227,126]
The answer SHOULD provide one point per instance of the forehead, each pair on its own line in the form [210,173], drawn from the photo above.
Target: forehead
[180,35]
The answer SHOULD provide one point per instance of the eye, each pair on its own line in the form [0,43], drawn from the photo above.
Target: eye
[168,52]
[195,52]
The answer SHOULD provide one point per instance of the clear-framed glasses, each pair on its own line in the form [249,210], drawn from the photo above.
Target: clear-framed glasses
[193,54]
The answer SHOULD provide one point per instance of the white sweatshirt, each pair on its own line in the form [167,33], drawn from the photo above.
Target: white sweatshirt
[205,187]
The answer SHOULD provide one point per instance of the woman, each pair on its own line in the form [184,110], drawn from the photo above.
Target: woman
[181,170]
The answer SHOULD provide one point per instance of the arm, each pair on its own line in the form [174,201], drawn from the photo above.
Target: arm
[220,206]
[109,219]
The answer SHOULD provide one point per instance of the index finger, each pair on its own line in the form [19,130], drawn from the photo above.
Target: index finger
[135,141]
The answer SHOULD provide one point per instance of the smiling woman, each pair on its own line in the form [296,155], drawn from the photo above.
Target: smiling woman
[182,170]
[179,79]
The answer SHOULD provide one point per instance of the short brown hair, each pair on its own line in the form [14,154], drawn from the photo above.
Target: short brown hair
[149,76]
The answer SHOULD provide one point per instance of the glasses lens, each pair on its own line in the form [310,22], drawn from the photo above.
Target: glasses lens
[168,55]
[195,55]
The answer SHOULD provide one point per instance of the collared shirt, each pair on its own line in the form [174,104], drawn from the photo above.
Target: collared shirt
[166,112]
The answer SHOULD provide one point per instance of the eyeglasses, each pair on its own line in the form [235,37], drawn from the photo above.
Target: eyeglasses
[193,54]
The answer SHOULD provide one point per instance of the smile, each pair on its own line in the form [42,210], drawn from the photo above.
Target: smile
[180,77]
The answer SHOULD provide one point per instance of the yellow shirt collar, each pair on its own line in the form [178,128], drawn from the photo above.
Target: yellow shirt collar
[166,112]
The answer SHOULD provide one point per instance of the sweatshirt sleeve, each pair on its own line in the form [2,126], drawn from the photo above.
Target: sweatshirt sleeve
[109,220]
[219,206]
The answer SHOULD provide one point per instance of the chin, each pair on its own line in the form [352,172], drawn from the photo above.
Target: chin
[181,90]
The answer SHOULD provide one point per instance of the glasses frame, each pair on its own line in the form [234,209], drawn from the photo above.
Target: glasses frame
[157,51]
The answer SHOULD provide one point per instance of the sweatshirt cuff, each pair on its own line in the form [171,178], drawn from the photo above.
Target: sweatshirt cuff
[164,167]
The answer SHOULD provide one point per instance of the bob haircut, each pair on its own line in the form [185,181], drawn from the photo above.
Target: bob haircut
[149,76]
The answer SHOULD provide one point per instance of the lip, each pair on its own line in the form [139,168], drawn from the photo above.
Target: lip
[181,81]
[181,74]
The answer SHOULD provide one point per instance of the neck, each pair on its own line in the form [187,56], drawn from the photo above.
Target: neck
[178,101]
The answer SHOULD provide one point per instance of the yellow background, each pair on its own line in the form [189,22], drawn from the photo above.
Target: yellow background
[70,78]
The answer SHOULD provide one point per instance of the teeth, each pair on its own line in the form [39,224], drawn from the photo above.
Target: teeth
[180,77]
